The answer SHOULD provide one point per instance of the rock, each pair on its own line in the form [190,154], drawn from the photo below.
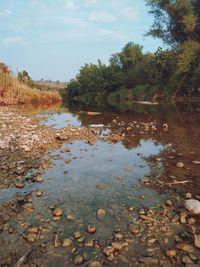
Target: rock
[100,186]
[188,196]
[57,242]
[196,162]
[39,179]
[183,217]
[58,212]
[101,214]
[191,221]
[91,229]
[91,113]
[19,184]
[149,261]
[89,243]
[38,193]
[70,217]
[180,164]
[77,235]
[33,230]
[197,240]
[78,260]
[117,245]
[185,247]
[169,203]
[119,236]
[95,264]
[171,253]
[193,206]
[67,242]
[31,237]
[28,207]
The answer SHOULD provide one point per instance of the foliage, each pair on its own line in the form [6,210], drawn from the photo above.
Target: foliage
[16,91]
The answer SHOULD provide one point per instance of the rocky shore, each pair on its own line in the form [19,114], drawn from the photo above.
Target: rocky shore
[166,235]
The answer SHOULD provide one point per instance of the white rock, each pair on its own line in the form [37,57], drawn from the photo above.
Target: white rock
[193,206]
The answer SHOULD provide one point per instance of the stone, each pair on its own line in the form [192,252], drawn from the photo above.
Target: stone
[196,162]
[193,206]
[70,217]
[19,185]
[119,236]
[95,264]
[100,186]
[31,237]
[89,243]
[149,261]
[117,245]
[38,193]
[39,179]
[197,241]
[91,229]
[58,212]
[180,164]
[77,235]
[33,230]
[185,247]
[67,242]
[78,260]
[101,214]
[169,203]
[57,242]
[183,217]
[188,196]
[171,253]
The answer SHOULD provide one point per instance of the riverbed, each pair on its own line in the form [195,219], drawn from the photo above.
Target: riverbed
[102,194]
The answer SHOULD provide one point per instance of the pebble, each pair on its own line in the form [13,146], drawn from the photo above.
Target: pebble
[171,253]
[38,193]
[58,212]
[39,179]
[77,235]
[101,214]
[180,164]
[67,242]
[78,260]
[19,184]
[95,264]
[91,229]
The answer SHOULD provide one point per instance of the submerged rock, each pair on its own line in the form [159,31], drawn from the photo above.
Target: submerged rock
[193,206]
[101,214]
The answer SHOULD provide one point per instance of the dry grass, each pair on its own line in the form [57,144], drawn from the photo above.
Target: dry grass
[14,92]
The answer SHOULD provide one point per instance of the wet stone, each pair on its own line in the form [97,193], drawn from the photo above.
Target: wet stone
[78,259]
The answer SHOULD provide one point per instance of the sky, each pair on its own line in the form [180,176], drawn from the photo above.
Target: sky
[52,39]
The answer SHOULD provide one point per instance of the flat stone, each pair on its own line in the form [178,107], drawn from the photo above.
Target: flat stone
[95,264]
[193,206]
[67,242]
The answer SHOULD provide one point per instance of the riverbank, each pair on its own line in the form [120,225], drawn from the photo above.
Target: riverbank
[53,235]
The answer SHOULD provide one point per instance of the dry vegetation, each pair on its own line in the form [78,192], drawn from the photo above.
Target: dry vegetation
[14,92]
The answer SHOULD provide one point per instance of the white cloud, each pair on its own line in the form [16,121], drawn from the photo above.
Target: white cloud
[5,12]
[70,5]
[17,40]
[111,34]
[130,13]
[101,16]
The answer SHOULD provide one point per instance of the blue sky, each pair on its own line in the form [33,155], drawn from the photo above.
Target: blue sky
[54,38]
